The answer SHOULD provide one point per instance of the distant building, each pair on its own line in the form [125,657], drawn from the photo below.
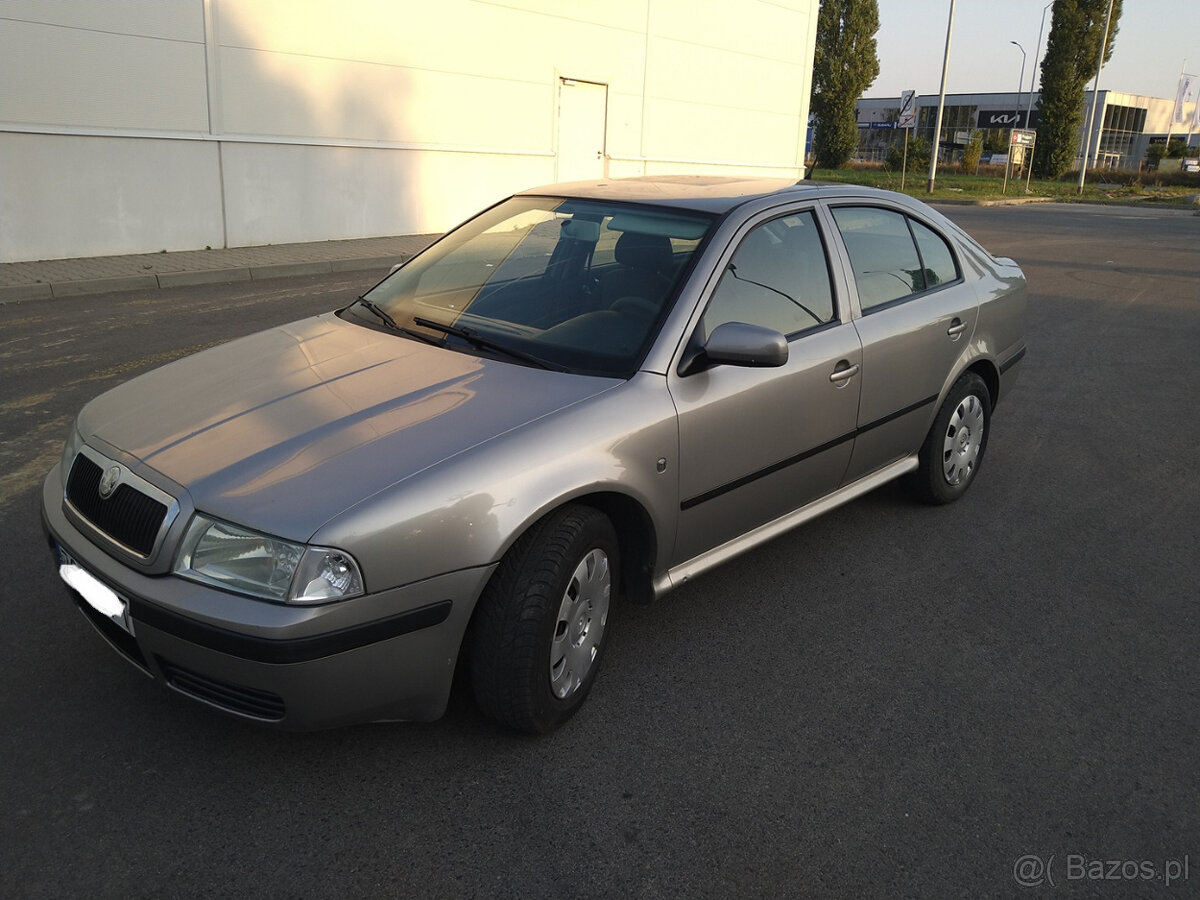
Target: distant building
[1127,123]
[142,125]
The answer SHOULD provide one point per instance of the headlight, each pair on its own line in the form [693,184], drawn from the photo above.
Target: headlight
[237,559]
[70,450]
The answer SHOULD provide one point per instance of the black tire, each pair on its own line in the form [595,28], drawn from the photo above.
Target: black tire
[541,624]
[953,451]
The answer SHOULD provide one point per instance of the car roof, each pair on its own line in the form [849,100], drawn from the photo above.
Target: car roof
[705,193]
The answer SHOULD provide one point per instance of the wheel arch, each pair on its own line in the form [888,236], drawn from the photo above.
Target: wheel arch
[636,537]
[987,370]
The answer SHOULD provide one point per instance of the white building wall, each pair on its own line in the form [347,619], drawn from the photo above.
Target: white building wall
[144,125]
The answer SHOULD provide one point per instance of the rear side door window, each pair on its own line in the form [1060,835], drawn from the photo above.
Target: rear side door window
[892,255]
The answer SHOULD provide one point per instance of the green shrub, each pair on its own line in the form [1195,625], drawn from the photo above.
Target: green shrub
[918,154]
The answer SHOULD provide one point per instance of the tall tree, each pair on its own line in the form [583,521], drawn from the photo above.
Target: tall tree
[1071,54]
[844,67]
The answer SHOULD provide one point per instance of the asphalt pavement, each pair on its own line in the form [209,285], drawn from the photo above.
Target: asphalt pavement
[992,699]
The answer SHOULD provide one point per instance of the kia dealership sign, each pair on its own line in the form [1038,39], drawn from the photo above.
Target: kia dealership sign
[1006,118]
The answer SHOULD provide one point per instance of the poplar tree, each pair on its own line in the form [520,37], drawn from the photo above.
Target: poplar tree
[1070,62]
[843,68]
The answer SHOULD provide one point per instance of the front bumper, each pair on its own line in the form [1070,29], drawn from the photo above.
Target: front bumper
[387,655]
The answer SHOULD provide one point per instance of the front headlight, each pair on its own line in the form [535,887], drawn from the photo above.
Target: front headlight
[238,559]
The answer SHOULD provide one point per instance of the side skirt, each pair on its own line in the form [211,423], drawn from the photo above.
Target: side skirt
[751,539]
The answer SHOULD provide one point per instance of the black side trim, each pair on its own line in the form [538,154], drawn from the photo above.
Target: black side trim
[763,473]
[294,650]
[1012,360]
[692,502]
[928,401]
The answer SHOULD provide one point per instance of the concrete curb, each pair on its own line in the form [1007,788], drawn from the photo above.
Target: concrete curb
[966,201]
[54,290]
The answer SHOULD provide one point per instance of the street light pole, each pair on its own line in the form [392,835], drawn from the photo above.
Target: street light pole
[937,128]
[1012,144]
[1087,137]
[1020,84]
[1036,52]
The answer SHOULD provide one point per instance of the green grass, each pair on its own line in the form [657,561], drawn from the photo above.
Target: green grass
[1116,187]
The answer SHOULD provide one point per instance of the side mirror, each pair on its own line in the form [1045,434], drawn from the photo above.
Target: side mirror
[740,344]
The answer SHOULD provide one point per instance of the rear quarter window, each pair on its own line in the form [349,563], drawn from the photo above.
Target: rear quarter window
[936,256]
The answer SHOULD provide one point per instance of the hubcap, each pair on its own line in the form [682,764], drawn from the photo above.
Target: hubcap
[964,438]
[579,628]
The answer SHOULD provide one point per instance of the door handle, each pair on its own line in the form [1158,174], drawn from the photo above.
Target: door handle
[844,372]
[957,327]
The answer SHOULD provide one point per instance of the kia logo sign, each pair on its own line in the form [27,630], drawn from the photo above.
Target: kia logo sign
[1005,118]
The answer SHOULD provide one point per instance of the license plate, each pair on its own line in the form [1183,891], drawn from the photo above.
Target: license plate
[98,595]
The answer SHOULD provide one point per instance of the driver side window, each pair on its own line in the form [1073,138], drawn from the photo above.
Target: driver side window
[778,278]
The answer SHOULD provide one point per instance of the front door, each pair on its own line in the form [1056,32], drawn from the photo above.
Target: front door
[755,444]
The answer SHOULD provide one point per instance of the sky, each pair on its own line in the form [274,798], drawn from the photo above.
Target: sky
[1154,39]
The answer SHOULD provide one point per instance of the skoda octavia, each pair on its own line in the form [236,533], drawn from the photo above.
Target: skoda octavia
[587,392]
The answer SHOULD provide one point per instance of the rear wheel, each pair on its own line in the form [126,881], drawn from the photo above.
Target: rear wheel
[540,627]
[954,448]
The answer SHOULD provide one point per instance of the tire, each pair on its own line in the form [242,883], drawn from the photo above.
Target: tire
[953,451]
[540,625]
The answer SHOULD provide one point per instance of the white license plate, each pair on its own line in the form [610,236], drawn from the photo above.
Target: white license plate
[98,595]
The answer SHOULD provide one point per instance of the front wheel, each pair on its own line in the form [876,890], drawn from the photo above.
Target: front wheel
[539,629]
[953,450]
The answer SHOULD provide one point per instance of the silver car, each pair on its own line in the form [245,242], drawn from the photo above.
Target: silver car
[587,392]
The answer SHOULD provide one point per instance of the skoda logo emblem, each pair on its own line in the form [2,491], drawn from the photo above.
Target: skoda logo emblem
[109,482]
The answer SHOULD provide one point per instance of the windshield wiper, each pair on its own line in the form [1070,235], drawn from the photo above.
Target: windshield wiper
[479,342]
[383,316]
[379,313]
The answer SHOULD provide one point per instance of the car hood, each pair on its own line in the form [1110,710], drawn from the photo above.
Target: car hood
[283,430]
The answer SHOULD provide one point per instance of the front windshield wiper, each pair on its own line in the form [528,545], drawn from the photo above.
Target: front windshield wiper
[479,342]
[379,313]
[385,317]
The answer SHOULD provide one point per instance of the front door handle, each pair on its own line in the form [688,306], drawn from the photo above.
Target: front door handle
[844,372]
[957,327]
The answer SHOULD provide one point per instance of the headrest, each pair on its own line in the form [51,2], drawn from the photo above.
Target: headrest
[644,251]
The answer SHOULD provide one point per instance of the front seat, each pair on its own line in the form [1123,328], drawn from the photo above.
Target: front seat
[645,261]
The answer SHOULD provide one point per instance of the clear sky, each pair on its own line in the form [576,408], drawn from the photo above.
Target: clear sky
[1155,37]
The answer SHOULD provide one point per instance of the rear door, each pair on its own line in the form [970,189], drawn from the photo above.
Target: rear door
[917,318]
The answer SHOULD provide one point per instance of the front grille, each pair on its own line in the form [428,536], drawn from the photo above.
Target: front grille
[234,698]
[129,517]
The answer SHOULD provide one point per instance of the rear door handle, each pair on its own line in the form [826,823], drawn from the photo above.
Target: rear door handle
[843,372]
[957,327]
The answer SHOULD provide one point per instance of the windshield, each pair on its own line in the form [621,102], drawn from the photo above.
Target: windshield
[570,284]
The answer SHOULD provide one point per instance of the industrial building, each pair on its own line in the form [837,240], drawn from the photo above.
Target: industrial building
[1127,124]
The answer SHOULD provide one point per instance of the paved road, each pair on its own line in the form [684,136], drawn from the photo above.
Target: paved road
[894,700]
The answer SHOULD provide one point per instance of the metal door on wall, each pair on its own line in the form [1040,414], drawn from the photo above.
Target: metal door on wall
[582,110]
